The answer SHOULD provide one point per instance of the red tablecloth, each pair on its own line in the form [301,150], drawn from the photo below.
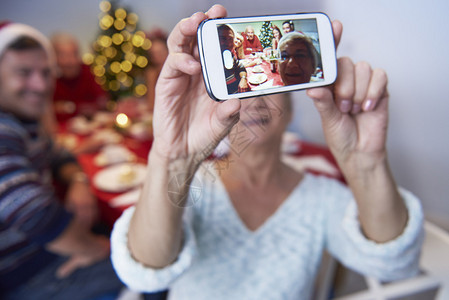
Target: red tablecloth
[266,66]
[87,161]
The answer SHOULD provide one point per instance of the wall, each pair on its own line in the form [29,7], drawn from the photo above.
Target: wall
[407,38]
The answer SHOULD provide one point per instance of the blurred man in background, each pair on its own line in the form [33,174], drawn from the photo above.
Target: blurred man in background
[47,250]
[76,91]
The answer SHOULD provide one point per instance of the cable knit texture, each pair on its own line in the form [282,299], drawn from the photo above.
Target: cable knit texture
[222,259]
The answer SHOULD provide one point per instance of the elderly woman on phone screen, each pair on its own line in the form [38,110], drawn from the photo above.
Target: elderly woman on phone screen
[298,58]
[255,228]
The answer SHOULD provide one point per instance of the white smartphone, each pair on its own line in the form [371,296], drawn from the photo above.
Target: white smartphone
[252,56]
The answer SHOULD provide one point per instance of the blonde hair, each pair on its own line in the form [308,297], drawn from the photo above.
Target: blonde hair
[239,51]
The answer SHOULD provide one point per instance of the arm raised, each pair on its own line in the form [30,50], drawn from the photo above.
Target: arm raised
[187,127]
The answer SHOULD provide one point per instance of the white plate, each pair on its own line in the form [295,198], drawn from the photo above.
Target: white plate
[114,154]
[120,177]
[258,69]
[257,78]
[102,159]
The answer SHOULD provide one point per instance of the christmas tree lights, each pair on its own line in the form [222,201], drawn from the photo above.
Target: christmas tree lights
[120,52]
[266,34]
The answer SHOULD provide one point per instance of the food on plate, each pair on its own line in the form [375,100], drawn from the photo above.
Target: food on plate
[258,69]
[112,154]
[68,141]
[108,136]
[257,78]
[127,174]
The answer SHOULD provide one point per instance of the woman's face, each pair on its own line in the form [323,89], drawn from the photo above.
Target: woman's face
[262,121]
[296,64]
[276,33]
[238,42]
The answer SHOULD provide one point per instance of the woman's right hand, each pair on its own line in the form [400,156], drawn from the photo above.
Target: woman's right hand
[187,123]
[187,126]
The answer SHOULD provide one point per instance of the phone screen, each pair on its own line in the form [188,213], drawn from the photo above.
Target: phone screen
[270,54]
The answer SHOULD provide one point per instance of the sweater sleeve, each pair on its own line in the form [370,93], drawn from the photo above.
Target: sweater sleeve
[393,260]
[28,207]
[142,278]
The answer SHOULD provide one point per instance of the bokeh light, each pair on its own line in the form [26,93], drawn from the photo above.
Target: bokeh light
[105,6]
[122,120]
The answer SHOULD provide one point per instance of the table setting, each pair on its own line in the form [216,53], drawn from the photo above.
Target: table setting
[117,169]
[114,148]
[262,70]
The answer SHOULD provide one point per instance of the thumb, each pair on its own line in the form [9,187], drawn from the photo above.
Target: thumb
[226,116]
[324,103]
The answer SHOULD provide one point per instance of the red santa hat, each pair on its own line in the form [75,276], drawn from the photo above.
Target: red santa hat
[10,32]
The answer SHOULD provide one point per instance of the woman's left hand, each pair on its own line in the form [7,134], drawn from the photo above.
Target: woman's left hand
[354,113]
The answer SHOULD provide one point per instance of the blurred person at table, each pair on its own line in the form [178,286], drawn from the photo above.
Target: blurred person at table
[277,35]
[288,26]
[157,53]
[298,58]
[256,228]
[251,44]
[235,72]
[48,251]
[238,46]
[76,91]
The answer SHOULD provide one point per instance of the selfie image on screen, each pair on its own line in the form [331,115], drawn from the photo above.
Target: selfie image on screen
[263,55]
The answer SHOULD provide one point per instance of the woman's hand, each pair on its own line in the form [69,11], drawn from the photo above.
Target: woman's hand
[187,123]
[187,126]
[97,251]
[354,113]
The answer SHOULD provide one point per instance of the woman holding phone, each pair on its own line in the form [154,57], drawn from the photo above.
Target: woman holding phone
[256,229]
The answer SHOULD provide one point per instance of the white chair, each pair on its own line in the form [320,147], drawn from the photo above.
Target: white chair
[432,283]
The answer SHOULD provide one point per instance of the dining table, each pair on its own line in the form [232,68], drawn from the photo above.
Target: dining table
[262,71]
[132,150]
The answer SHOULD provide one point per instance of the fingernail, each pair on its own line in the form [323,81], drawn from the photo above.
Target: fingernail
[368,105]
[345,106]
[356,108]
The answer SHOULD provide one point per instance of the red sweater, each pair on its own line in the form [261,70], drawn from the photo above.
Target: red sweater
[251,46]
[84,93]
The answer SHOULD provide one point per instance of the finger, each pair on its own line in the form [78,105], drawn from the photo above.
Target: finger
[362,80]
[178,64]
[337,28]
[344,87]
[216,11]
[184,33]
[377,90]
[227,113]
[324,103]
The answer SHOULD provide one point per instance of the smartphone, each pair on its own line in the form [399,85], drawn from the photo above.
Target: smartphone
[252,56]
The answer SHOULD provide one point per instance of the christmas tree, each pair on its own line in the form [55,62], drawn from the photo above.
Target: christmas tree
[120,52]
[266,35]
